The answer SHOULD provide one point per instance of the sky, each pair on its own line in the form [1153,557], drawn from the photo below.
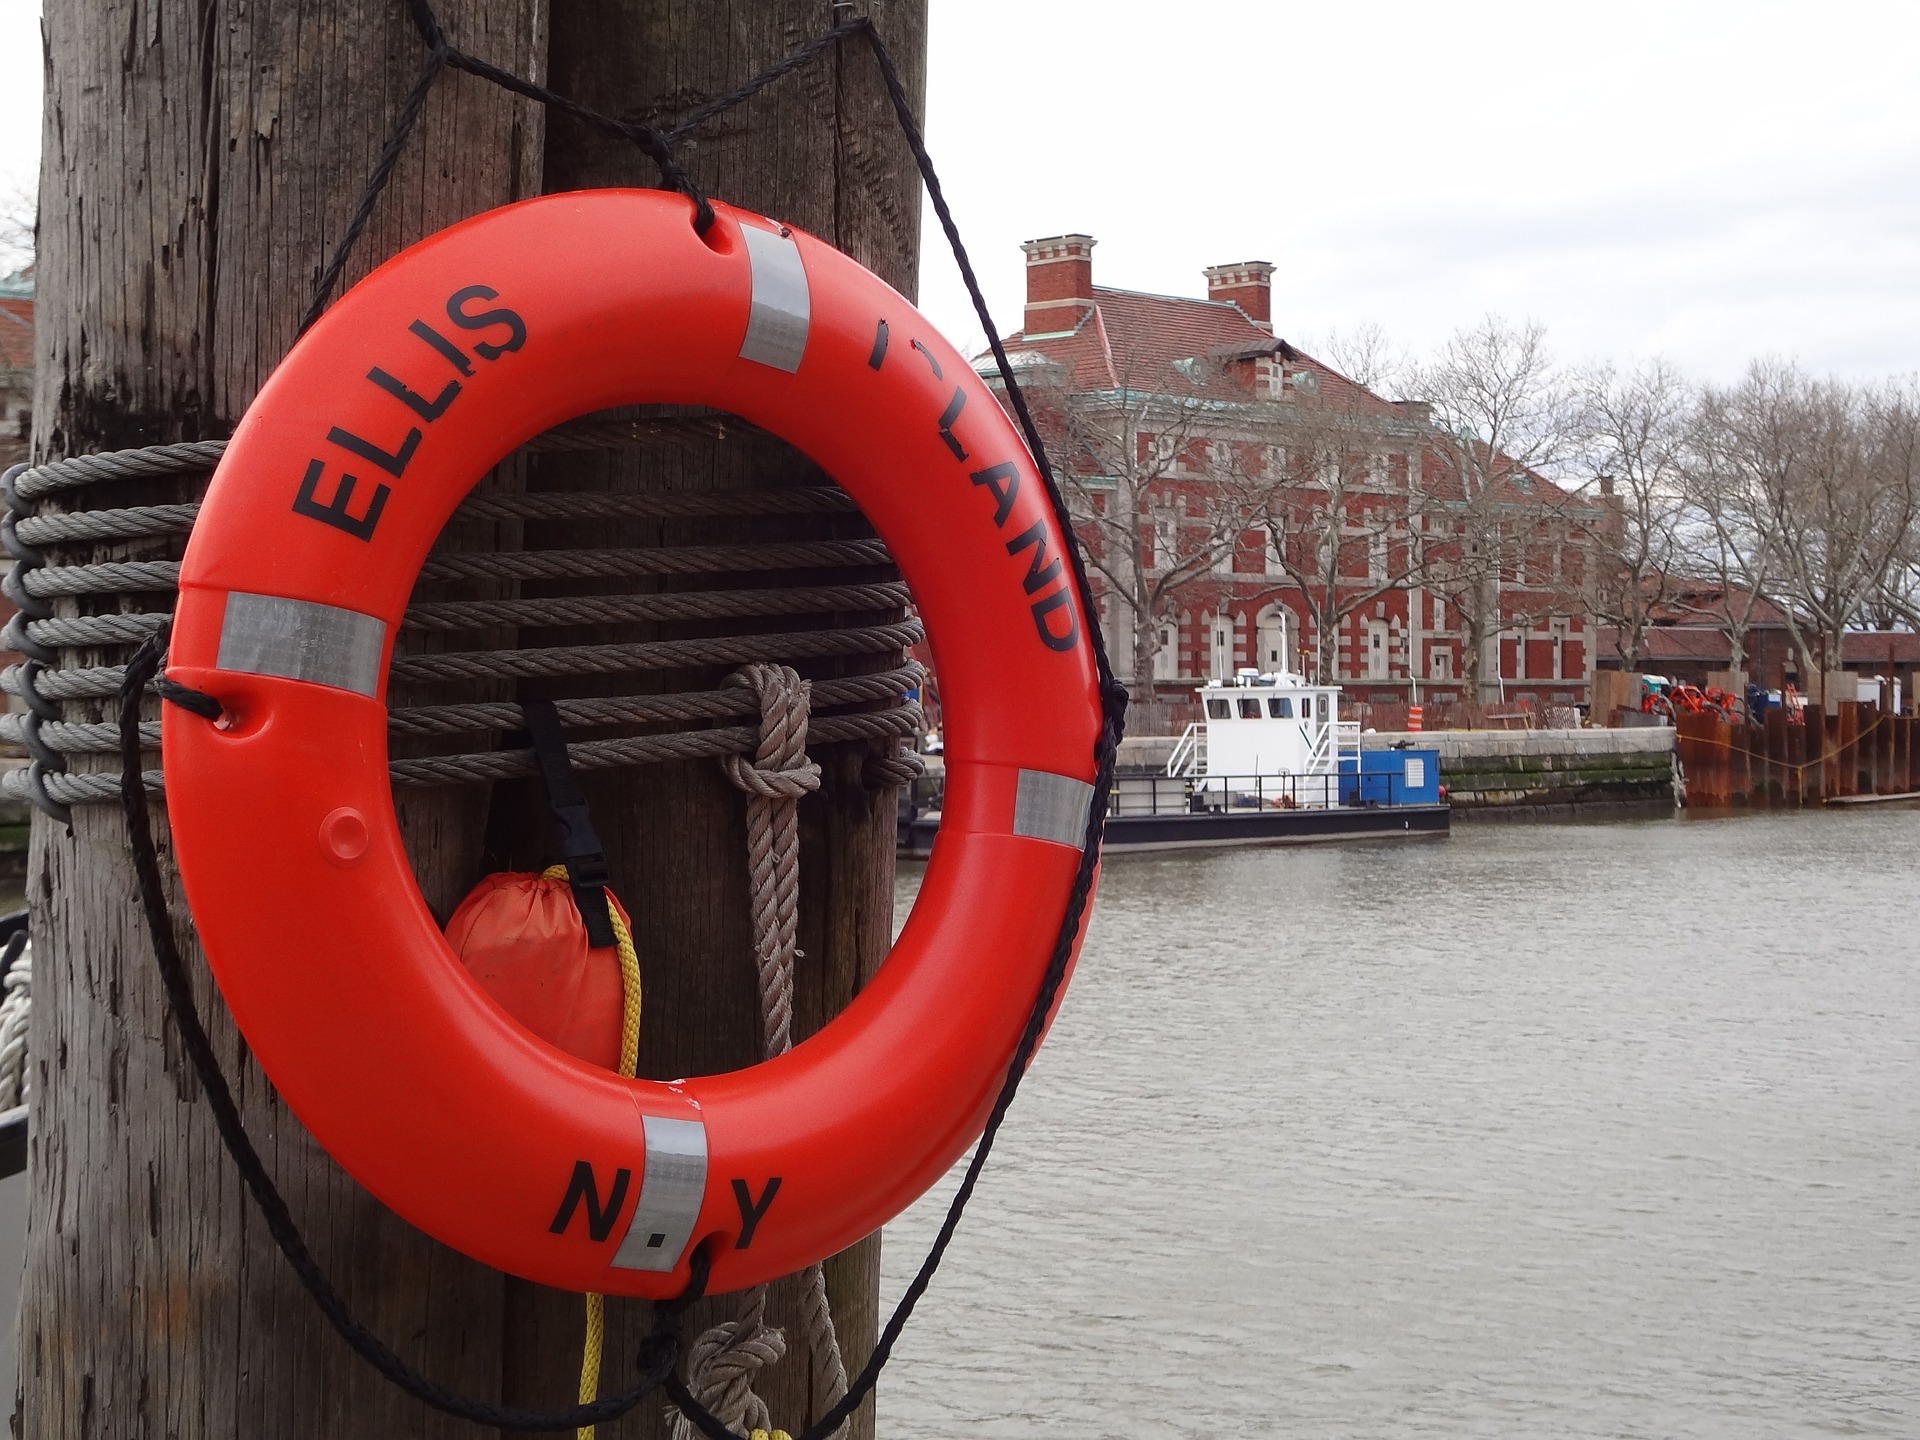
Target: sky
[1705,181]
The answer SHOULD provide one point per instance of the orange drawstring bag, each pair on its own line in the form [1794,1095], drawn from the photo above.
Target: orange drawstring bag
[521,937]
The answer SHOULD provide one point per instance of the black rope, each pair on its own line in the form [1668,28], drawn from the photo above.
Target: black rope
[657,145]
[723,103]
[660,1353]
[410,113]
[197,702]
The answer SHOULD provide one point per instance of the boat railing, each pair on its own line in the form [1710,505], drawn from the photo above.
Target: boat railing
[1143,795]
[1190,754]
[1348,735]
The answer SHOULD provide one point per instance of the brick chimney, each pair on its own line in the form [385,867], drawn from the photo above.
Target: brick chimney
[1248,285]
[1059,282]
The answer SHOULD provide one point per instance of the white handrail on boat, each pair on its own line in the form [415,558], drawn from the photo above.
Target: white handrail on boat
[1349,736]
[1190,755]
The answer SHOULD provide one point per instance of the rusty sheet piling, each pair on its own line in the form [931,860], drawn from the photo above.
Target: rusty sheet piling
[1861,752]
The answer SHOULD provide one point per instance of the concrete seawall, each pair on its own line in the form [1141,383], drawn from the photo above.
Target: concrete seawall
[1548,774]
[1517,774]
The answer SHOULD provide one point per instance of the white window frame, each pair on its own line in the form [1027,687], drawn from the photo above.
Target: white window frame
[1381,631]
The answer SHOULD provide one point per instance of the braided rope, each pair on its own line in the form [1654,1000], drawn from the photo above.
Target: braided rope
[902,767]
[886,687]
[774,780]
[675,605]
[614,505]
[115,577]
[133,523]
[155,462]
[90,789]
[84,632]
[723,1362]
[144,521]
[683,560]
[16,1014]
[91,631]
[41,634]
[656,654]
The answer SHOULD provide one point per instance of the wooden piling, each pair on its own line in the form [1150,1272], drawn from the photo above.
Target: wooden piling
[199,165]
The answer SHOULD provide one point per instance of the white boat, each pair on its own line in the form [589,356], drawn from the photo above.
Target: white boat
[1271,762]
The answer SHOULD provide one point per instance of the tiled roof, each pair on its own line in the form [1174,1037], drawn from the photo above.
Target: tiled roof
[1706,643]
[1675,642]
[1184,346]
[1134,340]
[1871,647]
[1148,333]
[1695,603]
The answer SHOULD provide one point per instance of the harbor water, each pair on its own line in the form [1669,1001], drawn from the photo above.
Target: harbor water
[1540,1131]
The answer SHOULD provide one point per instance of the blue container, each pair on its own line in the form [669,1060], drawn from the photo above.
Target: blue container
[1390,777]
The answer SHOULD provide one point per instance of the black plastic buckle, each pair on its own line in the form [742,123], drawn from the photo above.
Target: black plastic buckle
[572,824]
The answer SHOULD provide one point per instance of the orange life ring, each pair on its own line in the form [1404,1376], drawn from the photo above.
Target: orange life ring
[336,482]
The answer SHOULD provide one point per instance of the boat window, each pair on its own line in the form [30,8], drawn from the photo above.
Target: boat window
[1218,710]
[1306,707]
[1249,707]
[1280,709]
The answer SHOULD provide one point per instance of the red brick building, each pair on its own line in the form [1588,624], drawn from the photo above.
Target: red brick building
[1258,508]
[16,388]
[16,364]
[1689,639]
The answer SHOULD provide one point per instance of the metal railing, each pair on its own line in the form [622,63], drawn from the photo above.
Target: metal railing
[1223,794]
[1190,755]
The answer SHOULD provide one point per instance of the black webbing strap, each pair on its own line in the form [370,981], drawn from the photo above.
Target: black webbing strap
[572,825]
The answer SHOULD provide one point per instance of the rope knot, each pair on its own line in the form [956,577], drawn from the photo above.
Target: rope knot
[779,768]
[723,1364]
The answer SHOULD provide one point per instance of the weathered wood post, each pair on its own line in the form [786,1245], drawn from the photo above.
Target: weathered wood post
[198,167]
[199,163]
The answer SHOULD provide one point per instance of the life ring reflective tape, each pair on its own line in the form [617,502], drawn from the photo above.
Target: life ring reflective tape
[315,526]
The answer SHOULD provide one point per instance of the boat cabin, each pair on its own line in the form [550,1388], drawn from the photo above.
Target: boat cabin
[1276,724]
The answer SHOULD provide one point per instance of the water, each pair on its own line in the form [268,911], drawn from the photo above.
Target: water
[1606,1130]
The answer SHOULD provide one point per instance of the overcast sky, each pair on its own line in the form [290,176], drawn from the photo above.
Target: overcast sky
[1708,181]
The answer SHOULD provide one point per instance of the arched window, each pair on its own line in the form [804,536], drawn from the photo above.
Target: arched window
[1221,659]
[1273,640]
[1166,659]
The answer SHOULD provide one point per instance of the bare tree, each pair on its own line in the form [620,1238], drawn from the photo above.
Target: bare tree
[1809,494]
[1634,426]
[1896,601]
[1503,419]
[1338,517]
[19,205]
[1366,355]
[1160,492]
[1740,441]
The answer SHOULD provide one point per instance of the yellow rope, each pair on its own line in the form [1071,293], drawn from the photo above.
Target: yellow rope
[590,1356]
[629,1063]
